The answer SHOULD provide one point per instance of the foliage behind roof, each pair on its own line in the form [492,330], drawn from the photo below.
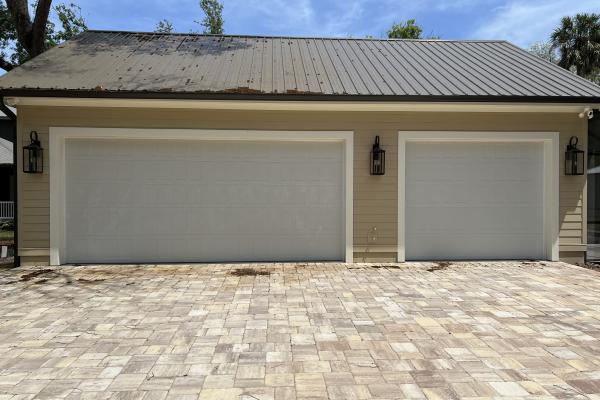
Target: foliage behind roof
[128,64]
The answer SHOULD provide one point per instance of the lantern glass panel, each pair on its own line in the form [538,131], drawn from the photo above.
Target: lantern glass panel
[377,159]
[33,156]
[574,159]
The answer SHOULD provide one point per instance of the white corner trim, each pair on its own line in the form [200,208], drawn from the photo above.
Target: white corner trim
[349,190]
[57,197]
[59,135]
[551,168]
[401,200]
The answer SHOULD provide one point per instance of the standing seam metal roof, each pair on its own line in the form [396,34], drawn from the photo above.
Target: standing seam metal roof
[104,63]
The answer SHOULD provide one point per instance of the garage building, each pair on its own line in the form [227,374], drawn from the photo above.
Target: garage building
[200,148]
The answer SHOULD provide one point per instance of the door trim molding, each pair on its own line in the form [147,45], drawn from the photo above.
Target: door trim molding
[59,135]
[551,157]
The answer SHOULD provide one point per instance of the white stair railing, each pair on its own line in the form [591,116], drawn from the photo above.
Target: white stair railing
[7,209]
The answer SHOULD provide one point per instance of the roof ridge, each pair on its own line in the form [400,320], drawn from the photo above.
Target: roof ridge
[291,37]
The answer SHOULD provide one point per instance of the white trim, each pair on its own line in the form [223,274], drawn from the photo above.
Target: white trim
[550,141]
[401,197]
[349,188]
[58,136]
[57,196]
[312,105]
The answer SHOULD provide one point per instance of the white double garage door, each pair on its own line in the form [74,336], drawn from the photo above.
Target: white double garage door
[131,196]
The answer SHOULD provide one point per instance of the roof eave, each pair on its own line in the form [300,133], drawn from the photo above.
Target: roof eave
[164,95]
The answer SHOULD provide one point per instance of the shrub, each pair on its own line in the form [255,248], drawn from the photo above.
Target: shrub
[8,225]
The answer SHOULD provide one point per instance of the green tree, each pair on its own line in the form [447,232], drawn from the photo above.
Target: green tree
[164,26]
[405,30]
[544,50]
[578,41]
[213,16]
[71,21]
[22,38]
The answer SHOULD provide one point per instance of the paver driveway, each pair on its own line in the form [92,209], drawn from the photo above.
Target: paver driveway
[468,330]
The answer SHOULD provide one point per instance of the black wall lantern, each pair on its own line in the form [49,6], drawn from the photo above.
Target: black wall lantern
[574,160]
[377,159]
[33,155]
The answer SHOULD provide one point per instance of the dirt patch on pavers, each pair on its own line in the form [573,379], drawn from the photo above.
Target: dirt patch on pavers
[89,281]
[33,274]
[249,272]
[439,266]
[386,266]
[594,266]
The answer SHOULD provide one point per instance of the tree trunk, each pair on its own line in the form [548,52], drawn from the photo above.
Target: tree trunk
[31,35]
[38,45]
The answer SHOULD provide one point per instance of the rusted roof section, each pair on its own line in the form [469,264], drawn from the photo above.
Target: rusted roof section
[167,65]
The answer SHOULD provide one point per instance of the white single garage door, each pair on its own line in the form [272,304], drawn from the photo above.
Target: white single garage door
[146,201]
[474,201]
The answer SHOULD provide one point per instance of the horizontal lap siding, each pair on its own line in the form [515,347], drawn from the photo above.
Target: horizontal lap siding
[375,198]
[573,198]
[34,194]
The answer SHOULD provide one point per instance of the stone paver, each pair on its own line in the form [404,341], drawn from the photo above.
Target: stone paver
[304,331]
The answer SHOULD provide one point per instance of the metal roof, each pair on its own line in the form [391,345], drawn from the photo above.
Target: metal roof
[127,64]
[6,152]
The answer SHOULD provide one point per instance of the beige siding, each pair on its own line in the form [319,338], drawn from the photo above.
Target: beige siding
[375,198]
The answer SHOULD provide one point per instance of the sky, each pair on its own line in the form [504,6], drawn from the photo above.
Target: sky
[522,22]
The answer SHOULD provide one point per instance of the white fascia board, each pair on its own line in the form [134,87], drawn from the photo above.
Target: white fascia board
[289,105]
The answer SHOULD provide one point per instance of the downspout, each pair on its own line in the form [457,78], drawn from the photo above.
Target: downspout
[11,115]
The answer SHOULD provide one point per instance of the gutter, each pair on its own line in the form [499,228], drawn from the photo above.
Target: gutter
[246,94]
[13,117]
[7,111]
[297,101]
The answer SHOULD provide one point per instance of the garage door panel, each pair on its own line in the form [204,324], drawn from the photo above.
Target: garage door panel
[419,192]
[178,201]
[514,193]
[248,194]
[473,247]
[474,200]
[484,220]
[491,163]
